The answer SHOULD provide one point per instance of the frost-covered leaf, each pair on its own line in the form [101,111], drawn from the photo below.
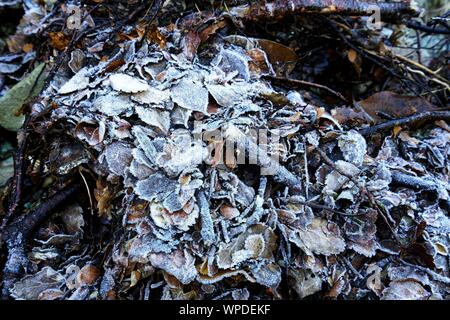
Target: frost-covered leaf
[353,147]
[305,282]
[157,186]
[155,117]
[183,218]
[406,289]
[152,96]
[320,237]
[180,264]
[31,286]
[113,104]
[118,157]
[190,94]
[268,275]
[128,84]
[8,67]
[78,82]
[233,61]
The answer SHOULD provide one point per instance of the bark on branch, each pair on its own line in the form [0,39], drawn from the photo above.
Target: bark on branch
[274,10]
[17,235]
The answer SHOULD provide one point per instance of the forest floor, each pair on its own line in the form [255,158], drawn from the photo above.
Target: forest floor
[224,150]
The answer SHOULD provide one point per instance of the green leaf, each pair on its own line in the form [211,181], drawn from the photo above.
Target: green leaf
[14,99]
[6,170]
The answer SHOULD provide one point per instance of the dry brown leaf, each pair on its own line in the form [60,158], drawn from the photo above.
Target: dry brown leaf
[59,40]
[155,36]
[393,105]
[88,275]
[191,42]
[282,58]
[103,193]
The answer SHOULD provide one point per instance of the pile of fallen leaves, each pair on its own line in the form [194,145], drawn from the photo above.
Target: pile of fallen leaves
[222,151]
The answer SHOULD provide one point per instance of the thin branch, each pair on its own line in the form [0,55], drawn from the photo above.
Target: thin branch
[427,29]
[407,121]
[277,10]
[296,82]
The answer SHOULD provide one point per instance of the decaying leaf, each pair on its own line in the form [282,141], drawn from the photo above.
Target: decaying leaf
[282,58]
[393,105]
[406,289]
[305,282]
[12,102]
[320,237]
[190,95]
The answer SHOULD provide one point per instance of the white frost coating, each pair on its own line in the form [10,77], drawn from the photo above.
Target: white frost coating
[295,98]
[118,156]
[236,92]
[180,264]
[353,147]
[125,83]
[190,95]
[157,186]
[79,81]
[113,104]
[152,96]
[232,61]
[320,237]
[155,117]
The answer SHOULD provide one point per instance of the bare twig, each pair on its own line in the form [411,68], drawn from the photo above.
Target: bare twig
[275,10]
[427,29]
[408,121]
[297,82]
[19,167]
[431,273]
